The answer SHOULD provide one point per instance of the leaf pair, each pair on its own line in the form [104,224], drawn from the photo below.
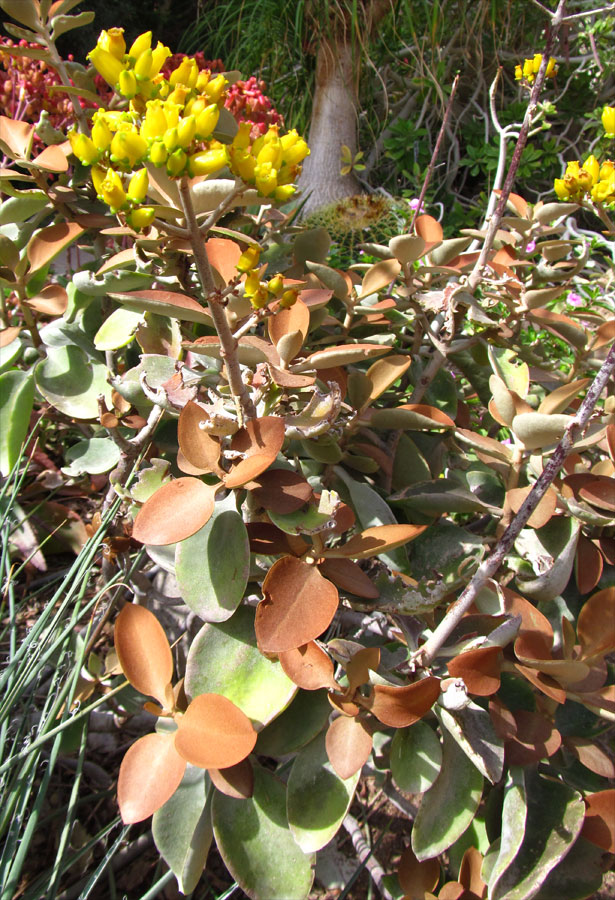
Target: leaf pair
[212,733]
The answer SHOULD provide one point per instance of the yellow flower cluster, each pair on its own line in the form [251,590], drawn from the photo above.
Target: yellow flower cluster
[608,121]
[590,180]
[170,123]
[259,293]
[528,71]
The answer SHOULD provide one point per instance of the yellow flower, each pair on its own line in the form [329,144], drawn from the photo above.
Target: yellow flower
[154,124]
[113,42]
[186,73]
[275,285]
[248,259]
[159,56]
[106,65]
[266,178]
[518,73]
[186,131]
[294,152]
[98,176]
[284,192]
[259,299]
[551,68]
[289,298]
[559,186]
[608,121]
[138,185]
[112,190]
[83,147]
[270,152]
[215,88]
[208,162]
[252,283]
[143,65]
[170,139]
[158,154]
[101,135]
[128,148]
[592,167]
[607,169]
[241,141]
[141,218]
[142,43]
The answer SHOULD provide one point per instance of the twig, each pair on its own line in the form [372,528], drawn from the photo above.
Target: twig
[436,151]
[228,344]
[137,444]
[364,853]
[489,567]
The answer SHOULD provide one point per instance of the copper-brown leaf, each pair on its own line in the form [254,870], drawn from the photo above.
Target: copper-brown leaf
[17,135]
[150,773]
[52,300]
[599,823]
[470,872]
[596,623]
[308,666]
[359,666]
[376,540]
[236,781]
[269,540]
[588,565]
[201,449]
[281,490]
[260,442]
[417,878]
[175,512]
[348,576]
[50,241]
[543,512]
[479,668]
[402,706]
[143,652]
[285,321]
[213,733]
[297,606]
[536,739]
[223,256]
[348,744]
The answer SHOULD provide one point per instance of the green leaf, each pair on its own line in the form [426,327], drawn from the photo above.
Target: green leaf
[182,829]
[303,521]
[416,758]
[72,383]
[445,551]
[551,552]
[514,372]
[577,876]
[61,24]
[224,659]
[212,566]
[436,497]
[473,730]
[92,456]
[371,510]
[18,209]
[296,726]
[16,401]
[26,13]
[256,844]
[118,329]
[410,466]
[449,805]
[318,799]
[540,823]
[9,354]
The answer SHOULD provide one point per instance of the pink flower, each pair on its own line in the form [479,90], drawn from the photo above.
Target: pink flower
[414,204]
[530,247]
[574,299]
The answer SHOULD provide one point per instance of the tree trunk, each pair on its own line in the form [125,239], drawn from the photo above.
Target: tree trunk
[333,123]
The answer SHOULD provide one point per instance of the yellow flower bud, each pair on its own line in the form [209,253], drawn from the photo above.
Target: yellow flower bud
[128,148]
[178,95]
[98,176]
[592,167]
[216,88]
[158,154]
[559,186]
[252,283]
[284,192]
[241,141]
[208,162]
[573,168]
[106,65]
[138,185]
[528,69]
[584,180]
[551,68]
[127,84]
[101,135]
[202,80]
[112,190]
[143,65]
[608,121]
[83,147]
[176,163]
[266,179]
[607,170]
[289,298]
[170,139]
[142,43]
[248,259]
[518,73]
[141,218]
[536,62]
[159,56]
[186,73]
[113,42]
[186,131]
[603,192]
[171,111]
[206,121]
[275,285]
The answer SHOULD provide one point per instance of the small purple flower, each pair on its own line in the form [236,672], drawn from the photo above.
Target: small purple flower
[530,247]
[574,299]
[414,204]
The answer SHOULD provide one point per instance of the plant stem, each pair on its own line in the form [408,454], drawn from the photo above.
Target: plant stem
[489,567]
[228,344]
